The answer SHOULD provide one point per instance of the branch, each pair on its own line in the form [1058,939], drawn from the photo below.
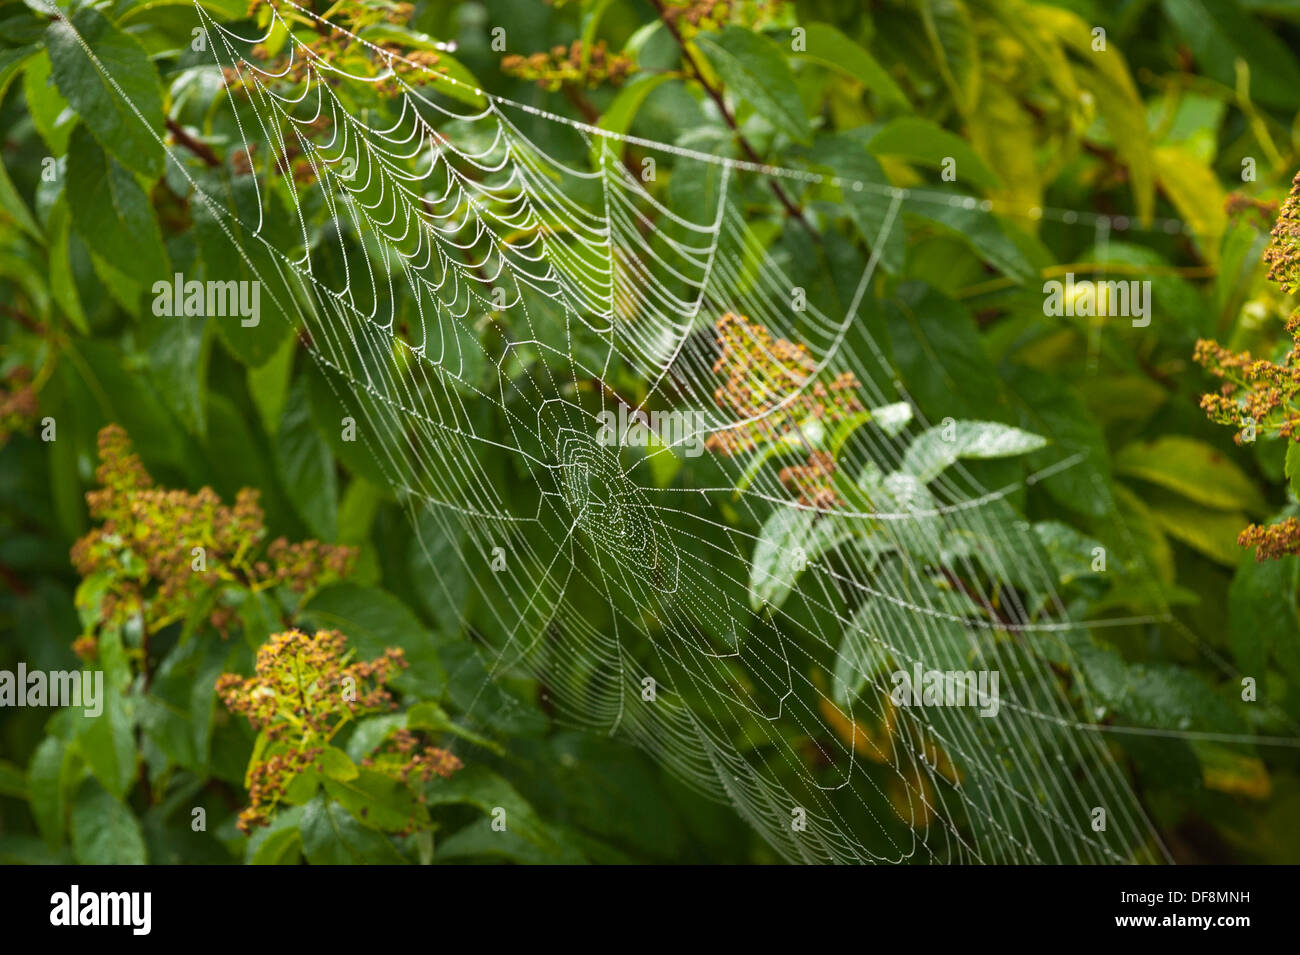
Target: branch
[718,101]
[200,149]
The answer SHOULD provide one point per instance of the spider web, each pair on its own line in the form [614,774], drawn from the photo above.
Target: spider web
[478,299]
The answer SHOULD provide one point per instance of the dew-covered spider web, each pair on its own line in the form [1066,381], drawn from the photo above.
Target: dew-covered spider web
[732,594]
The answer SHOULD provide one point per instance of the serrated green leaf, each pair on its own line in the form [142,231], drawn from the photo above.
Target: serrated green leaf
[116,94]
[106,202]
[753,68]
[104,830]
[938,448]
[330,836]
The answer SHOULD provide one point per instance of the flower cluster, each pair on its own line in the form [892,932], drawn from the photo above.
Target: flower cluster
[303,691]
[771,388]
[690,17]
[1283,252]
[1238,205]
[157,552]
[1255,391]
[1272,541]
[563,66]
[18,403]
[403,755]
[1259,396]
[811,482]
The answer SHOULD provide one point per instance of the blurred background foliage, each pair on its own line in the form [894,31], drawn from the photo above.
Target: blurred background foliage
[1189,103]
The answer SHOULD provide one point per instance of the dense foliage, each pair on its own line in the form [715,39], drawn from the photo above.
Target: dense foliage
[179,511]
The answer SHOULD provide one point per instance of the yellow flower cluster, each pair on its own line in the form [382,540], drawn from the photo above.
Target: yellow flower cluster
[1259,396]
[563,66]
[157,552]
[772,394]
[304,690]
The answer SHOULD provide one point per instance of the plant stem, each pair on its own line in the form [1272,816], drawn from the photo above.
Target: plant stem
[718,101]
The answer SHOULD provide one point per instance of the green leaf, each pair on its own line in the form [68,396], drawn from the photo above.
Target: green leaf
[1262,609]
[13,781]
[1160,696]
[1220,32]
[279,843]
[753,68]
[1070,552]
[1194,190]
[104,830]
[62,285]
[1049,406]
[909,620]
[374,620]
[955,44]
[45,104]
[45,784]
[377,801]
[268,385]
[476,785]
[1193,469]
[330,836]
[869,207]
[938,448]
[178,350]
[1105,75]
[827,46]
[107,91]
[618,117]
[790,540]
[335,764]
[976,227]
[938,352]
[107,741]
[106,202]
[466,88]
[1213,533]
[13,211]
[921,141]
[430,716]
[239,257]
[1293,467]
[11,61]
[306,465]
